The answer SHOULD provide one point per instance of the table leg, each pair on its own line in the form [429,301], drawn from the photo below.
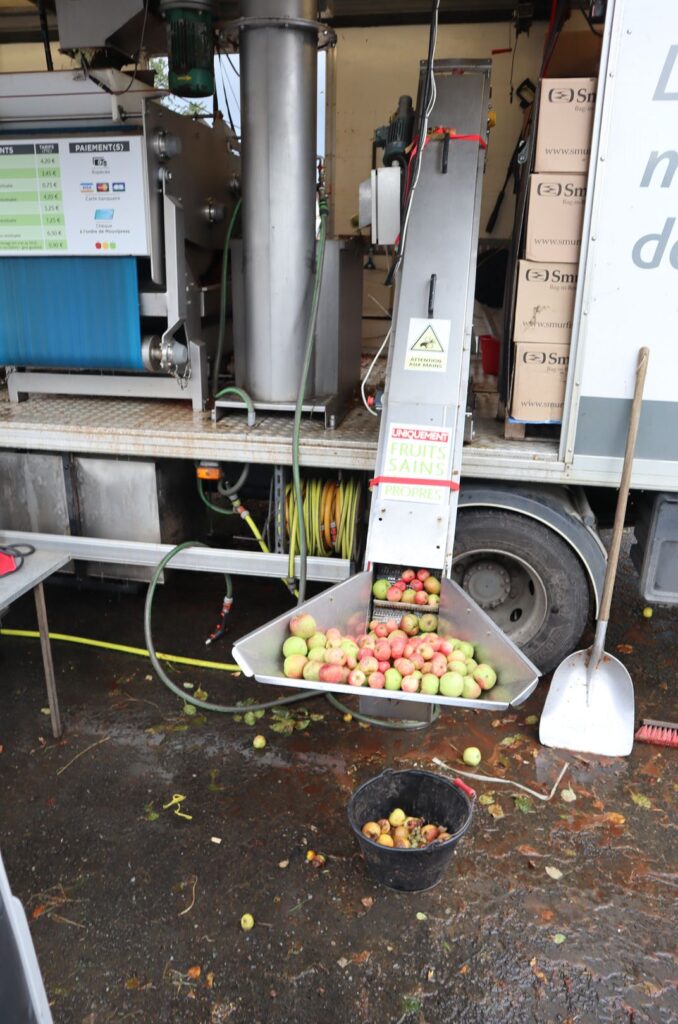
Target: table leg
[48,665]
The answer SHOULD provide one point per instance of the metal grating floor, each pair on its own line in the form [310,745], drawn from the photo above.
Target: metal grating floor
[157,429]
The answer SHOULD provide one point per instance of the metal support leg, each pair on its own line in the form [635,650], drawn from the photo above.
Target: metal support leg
[48,665]
[278,509]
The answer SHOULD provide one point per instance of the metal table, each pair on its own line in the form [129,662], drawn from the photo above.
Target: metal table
[34,571]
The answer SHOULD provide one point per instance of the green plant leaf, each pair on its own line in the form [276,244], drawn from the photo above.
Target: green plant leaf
[523,803]
[641,800]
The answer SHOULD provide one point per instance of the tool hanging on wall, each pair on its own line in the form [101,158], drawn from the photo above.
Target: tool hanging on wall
[526,93]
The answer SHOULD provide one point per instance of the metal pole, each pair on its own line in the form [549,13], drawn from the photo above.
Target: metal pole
[52,698]
[279,84]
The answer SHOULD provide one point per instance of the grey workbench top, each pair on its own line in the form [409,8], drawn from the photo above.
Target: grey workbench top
[36,568]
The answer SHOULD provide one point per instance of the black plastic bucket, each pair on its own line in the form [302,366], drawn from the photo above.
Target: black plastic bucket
[423,795]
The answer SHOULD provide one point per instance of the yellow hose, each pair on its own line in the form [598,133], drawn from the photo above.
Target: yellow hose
[32,634]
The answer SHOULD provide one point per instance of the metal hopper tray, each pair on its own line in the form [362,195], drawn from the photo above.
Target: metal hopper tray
[347,606]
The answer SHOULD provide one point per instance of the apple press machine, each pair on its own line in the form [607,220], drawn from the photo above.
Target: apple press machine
[416,483]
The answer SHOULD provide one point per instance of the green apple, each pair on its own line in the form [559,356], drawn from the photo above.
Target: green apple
[430,684]
[294,645]
[392,679]
[451,684]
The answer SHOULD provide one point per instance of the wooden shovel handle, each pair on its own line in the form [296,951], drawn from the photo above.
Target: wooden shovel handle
[623,496]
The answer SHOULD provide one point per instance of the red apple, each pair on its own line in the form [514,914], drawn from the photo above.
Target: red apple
[382,651]
[416,584]
[376,680]
[409,684]
[357,678]
[421,597]
[408,575]
[404,666]
[423,574]
[381,630]
[394,594]
[331,674]
[397,648]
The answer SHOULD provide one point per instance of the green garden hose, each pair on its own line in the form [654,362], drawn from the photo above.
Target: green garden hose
[223,302]
[323,209]
[187,698]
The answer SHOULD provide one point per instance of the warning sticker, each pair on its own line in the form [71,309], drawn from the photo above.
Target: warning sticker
[417,464]
[428,342]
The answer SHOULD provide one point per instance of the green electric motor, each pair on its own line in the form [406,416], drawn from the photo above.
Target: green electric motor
[190,46]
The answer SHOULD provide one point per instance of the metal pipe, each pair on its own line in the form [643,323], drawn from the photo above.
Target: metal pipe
[279,84]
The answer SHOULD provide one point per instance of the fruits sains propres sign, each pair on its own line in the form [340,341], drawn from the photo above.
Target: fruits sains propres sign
[417,464]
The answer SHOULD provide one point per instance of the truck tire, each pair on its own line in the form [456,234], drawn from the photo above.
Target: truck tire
[526,578]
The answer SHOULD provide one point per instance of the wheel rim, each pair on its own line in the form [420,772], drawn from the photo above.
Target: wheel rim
[506,587]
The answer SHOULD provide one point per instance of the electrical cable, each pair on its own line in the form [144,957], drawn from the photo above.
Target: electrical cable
[223,89]
[17,553]
[234,68]
[202,664]
[365,379]
[138,53]
[428,103]
[323,210]
[224,298]
[44,32]
[140,652]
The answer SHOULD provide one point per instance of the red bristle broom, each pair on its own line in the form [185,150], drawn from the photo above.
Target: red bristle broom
[660,734]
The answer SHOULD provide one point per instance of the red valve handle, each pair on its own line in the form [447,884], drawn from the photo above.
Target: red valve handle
[464,788]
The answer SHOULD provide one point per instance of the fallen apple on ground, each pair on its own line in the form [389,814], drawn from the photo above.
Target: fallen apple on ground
[404,655]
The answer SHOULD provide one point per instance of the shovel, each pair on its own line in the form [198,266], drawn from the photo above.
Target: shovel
[590,706]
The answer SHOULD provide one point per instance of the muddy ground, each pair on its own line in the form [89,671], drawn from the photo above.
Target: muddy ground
[135,911]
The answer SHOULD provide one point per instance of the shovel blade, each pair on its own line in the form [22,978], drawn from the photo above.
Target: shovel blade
[592,720]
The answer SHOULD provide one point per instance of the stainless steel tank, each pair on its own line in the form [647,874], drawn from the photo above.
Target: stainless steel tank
[279,85]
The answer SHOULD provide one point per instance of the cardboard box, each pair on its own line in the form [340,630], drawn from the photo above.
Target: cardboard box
[539,378]
[554,217]
[545,302]
[565,124]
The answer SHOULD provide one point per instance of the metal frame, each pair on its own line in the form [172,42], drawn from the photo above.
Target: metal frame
[198,559]
[442,241]
[573,386]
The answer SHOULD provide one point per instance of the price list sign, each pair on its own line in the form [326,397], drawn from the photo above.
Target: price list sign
[31,198]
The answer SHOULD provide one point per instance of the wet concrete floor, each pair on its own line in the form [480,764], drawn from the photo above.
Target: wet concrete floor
[552,912]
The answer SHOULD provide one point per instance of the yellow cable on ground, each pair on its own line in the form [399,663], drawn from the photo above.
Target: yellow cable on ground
[32,634]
